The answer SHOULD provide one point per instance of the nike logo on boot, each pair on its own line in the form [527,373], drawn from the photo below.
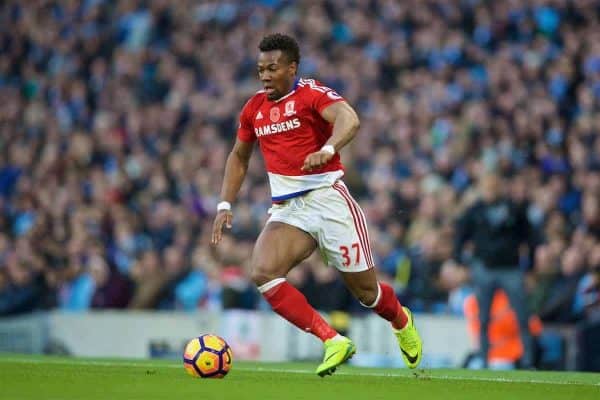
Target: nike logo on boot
[409,357]
[331,355]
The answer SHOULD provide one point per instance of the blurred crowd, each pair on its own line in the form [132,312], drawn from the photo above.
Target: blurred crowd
[116,118]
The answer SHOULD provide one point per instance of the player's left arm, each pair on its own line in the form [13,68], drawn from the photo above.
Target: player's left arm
[345,125]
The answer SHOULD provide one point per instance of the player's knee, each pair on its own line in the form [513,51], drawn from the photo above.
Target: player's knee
[261,274]
[367,296]
[259,277]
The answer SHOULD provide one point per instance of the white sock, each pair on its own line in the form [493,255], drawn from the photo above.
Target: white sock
[337,337]
[270,285]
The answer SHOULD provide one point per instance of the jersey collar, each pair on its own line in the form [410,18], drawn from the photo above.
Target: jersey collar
[290,93]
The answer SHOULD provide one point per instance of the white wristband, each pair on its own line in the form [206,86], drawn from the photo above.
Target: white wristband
[224,205]
[328,149]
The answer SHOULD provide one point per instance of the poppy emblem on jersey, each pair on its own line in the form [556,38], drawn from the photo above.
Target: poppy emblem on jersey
[289,108]
[274,114]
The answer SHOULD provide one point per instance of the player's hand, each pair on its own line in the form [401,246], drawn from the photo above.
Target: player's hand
[316,160]
[222,217]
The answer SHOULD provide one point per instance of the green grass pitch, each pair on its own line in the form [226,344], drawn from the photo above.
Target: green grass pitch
[56,378]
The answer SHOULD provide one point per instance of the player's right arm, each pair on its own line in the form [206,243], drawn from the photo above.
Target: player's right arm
[235,168]
[235,172]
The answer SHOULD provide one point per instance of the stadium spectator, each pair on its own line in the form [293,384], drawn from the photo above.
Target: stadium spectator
[505,344]
[497,228]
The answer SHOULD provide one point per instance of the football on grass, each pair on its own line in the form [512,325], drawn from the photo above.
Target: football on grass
[207,356]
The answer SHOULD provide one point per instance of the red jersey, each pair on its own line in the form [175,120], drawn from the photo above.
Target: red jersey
[289,129]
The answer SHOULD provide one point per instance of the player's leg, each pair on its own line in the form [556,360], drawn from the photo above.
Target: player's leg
[381,298]
[378,296]
[513,283]
[345,239]
[278,249]
[485,288]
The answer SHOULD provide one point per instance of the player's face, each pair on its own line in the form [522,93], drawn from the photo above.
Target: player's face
[490,188]
[276,73]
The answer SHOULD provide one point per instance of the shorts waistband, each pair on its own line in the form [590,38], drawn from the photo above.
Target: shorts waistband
[300,194]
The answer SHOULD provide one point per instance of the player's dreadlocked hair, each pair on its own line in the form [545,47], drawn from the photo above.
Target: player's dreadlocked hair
[285,43]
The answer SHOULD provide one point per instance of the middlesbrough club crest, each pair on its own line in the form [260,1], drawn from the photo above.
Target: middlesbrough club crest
[289,109]
[274,114]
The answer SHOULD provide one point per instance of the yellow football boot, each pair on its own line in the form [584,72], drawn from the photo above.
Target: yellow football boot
[410,342]
[337,352]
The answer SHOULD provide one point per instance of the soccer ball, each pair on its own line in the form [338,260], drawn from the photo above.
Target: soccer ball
[207,356]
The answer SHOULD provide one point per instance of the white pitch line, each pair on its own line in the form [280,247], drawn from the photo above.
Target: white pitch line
[83,361]
[428,377]
[298,371]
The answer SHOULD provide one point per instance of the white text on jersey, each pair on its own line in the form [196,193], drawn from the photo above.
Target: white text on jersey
[277,128]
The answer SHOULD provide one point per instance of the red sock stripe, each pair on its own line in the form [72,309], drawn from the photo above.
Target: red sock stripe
[363,220]
[359,223]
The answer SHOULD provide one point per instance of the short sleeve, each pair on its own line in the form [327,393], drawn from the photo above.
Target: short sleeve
[245,130]
[325,99]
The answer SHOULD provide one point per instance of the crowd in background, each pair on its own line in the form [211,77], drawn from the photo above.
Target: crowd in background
[116,118]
